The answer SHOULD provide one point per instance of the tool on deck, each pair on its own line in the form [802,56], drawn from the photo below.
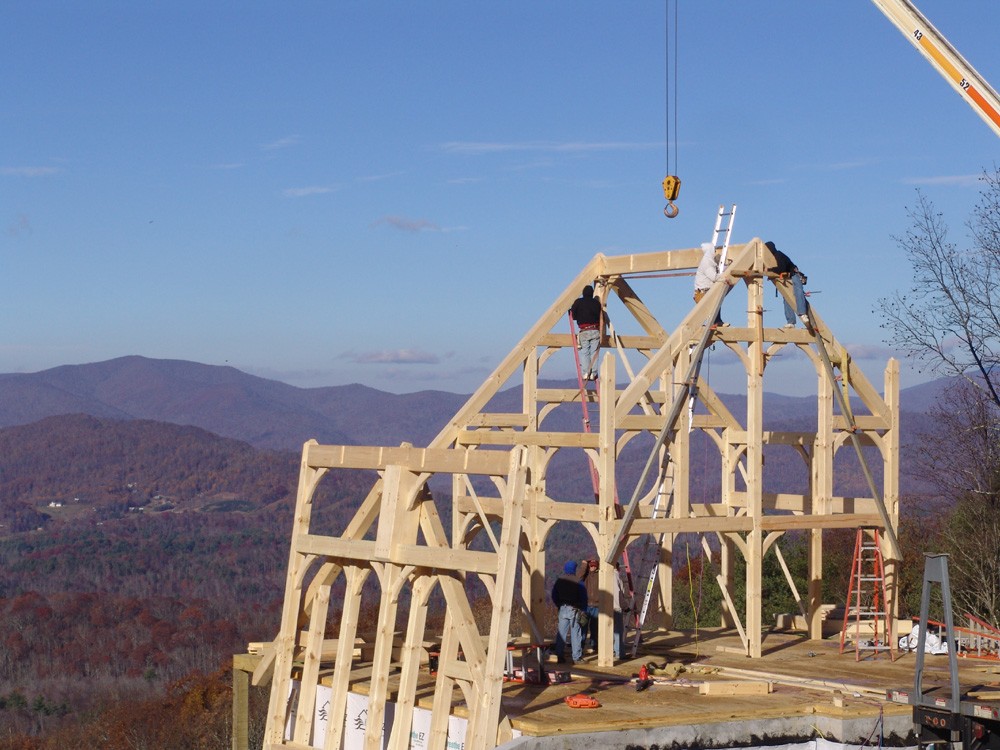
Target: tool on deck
[644,680]
[581,700]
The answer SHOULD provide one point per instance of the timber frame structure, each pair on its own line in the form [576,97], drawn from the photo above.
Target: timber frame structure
[398,531]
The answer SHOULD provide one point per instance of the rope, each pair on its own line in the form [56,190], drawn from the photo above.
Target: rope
[667,75]
[694,606]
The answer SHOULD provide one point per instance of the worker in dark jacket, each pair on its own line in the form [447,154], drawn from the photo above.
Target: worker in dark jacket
[570,596]
[786,269]
[587,570]
[587,312]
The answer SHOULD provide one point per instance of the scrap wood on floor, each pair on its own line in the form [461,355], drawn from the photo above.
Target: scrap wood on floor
[603,678]
[735,687]
[803,682]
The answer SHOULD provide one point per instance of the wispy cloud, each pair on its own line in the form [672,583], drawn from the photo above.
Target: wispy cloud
[540,163]
[28,171]
[394,357]
[380,177]
[958,180]
[840,166]
[464,180]
[878,352]
[836,166]
[404,224]
[301,192]
[285,142]
[476,148]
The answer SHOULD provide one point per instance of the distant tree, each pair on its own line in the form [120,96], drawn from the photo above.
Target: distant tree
[962,460]
[950,317]
[950,321]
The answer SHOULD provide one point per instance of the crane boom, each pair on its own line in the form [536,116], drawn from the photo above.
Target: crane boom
[949,63]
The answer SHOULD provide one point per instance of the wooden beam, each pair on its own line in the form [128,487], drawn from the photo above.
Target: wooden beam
[564,341]
[363,550]
[735,687]
[417,460]
[642,526]
[555,439]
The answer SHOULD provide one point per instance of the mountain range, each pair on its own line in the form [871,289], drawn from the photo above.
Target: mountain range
[225,401]
[146,506]
[273,415]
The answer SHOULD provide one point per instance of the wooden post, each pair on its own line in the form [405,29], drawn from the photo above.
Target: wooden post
[241,700]
[607,452]
[890,484]
[755,482]
[821,483]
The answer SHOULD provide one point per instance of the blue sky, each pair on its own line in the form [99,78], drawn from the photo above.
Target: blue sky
[391,193]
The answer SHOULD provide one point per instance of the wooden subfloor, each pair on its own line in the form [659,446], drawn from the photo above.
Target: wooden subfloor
[806,678]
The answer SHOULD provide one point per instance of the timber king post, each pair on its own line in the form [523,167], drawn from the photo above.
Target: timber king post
[397,532]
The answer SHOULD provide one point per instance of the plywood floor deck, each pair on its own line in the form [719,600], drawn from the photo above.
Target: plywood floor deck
[808,679]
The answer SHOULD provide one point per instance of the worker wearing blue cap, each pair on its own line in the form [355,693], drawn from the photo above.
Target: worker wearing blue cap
[570,596]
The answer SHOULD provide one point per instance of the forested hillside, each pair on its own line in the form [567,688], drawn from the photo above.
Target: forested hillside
[136,556]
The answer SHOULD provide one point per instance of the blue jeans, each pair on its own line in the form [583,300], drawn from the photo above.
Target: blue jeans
[569,631]
[589,342]
[800,300]
[619,620]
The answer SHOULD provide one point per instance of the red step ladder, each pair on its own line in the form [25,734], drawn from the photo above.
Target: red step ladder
[867,605]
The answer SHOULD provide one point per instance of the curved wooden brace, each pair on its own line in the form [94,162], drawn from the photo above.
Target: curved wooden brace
[626,438]
[545,528]
[804,453]
[740,352]
[595,534]
[307,561]
[545,411]
[546,353]
[716,437]
[739,541]
[770,539]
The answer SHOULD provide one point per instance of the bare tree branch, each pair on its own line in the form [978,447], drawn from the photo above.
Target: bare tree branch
[949,320]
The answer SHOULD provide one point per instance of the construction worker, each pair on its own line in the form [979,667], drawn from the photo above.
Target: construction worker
[622,604]
[588,312]
[570,596]
[786,269]
[706,275]
[589,578]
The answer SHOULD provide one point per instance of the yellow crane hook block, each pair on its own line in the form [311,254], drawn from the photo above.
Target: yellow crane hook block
[671,187]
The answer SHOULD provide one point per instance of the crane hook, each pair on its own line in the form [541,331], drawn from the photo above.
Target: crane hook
[671,187]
